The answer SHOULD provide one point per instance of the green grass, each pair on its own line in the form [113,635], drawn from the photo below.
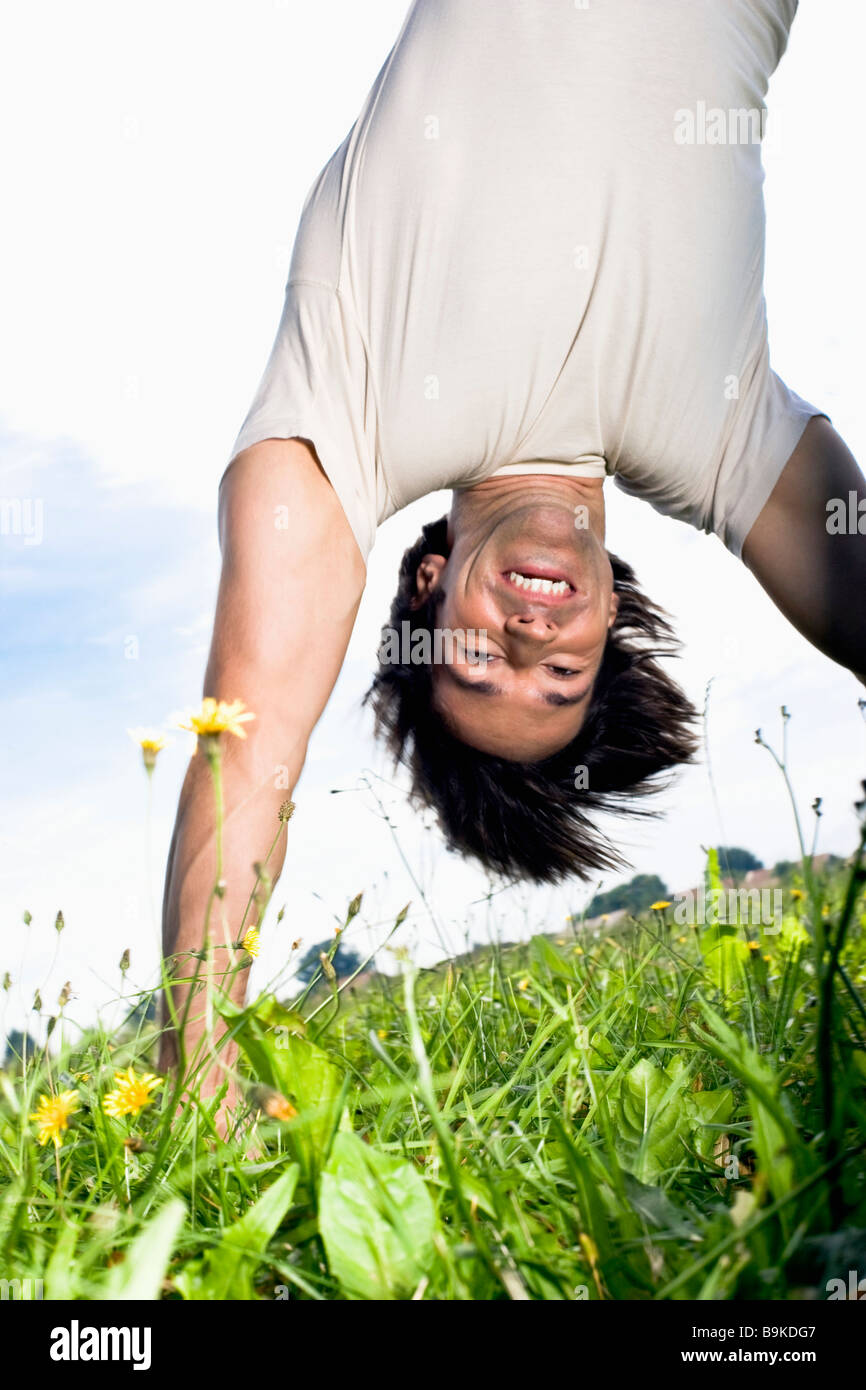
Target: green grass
[659,1111]
[640,1115]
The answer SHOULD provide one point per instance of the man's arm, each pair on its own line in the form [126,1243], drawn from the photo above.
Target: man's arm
[815,576]
[291,582]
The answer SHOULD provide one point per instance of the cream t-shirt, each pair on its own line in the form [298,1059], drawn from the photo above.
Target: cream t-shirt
[541,248]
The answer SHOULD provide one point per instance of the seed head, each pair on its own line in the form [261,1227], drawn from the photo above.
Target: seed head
[329,971]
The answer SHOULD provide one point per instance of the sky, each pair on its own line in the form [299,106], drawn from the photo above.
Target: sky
[160,158]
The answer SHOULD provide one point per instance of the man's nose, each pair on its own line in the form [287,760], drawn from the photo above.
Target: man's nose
[531,627]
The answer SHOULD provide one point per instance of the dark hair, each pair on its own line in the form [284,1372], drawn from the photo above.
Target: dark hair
[525,819]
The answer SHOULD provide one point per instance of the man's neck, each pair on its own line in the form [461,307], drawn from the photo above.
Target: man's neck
[478,507]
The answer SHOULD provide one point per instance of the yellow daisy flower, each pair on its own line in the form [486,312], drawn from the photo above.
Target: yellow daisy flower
[523,984]
[52,1116]
[151,742]
[659,906]
[131,1093]
[250,942]
[219,717]
[381,1032]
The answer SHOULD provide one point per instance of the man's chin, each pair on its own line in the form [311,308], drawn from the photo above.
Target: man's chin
[509,747]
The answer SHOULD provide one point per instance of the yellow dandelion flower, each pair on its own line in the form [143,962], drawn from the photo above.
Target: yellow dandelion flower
[659,906]
[681,939]
[151,742]
[768,959]
[523,984]
[796,894]
[131,1093]
[753,946]
[578,950]
[250,942]
[52,1116]
[218,717]
[278,1108]
[381,1032]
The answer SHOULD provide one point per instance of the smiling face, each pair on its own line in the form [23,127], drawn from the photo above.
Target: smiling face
[541,589]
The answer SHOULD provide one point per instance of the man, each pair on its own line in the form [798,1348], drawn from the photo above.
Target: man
[536,261]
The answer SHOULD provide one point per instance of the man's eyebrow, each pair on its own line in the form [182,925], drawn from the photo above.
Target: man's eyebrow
[550,697]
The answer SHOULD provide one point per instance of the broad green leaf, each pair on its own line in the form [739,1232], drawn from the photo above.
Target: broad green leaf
[723,951]
[61,1272]
[652,1122]
[545,957]
[376,1219]
[712,873]
[779,1148]
[273,1039]
[709,1108]
[140,1274]
[657,1118]
[226,1272]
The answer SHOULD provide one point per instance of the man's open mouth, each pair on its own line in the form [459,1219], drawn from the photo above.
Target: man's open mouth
[534,582]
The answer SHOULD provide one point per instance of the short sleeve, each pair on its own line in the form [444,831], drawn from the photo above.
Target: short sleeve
[315,386]
[768,423]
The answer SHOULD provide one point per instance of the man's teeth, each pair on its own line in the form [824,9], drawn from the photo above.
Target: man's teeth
[539,586]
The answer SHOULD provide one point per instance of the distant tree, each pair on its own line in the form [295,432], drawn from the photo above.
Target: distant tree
[635,896]
[346,961]
[783,867]
[17,1046]
[145,1011]
[734,860]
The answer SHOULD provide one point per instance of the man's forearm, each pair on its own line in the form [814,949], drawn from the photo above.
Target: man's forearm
[197,908]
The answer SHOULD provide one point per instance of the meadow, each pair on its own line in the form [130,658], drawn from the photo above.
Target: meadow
[655,1111]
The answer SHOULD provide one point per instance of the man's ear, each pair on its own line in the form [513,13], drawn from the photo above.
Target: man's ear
[427,576]
[613,609]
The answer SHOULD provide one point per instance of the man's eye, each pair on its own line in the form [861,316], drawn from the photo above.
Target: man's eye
[563,671]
